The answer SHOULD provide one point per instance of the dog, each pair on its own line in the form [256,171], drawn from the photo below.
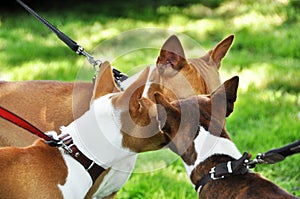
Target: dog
[55,103]
[196,127]
[116,127]
[48,105]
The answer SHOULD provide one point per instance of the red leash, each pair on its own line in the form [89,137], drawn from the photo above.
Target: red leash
[9,116]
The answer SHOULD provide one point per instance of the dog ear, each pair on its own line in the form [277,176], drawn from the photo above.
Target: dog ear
[172,54]
[104,83]
[224,97]
[173,45]
[219,51]
[131,96]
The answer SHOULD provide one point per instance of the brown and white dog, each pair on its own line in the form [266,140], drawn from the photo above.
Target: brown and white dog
[196,127]
[115,128]
[51,104]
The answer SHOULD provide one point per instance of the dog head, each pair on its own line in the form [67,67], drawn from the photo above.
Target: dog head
[178,77]
[135,116]
[182,118]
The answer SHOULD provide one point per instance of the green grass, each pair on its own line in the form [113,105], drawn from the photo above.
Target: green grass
[265,55]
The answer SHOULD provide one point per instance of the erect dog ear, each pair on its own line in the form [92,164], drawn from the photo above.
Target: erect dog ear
[129,99]
[173,45]
[104,83]
[172,53]
[224,96]
[219,51]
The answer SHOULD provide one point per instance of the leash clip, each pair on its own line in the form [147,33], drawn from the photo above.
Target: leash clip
[90,58]
[58,143]
[66,148]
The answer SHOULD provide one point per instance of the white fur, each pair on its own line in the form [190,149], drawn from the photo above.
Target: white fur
[125,84]
[78,181]
[97,135]
[207,145]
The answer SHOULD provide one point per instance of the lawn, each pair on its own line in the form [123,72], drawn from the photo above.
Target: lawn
[265,54]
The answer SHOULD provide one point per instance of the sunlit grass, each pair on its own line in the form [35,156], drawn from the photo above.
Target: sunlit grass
[265,54]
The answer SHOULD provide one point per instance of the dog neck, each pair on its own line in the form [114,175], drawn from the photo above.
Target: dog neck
[207,145]
[97,133]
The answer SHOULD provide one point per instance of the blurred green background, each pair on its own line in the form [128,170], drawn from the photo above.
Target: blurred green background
[265,54]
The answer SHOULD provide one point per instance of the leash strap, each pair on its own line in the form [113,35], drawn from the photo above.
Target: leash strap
[9,116]
[66,142]
[62,36]
[119,77]
[276,155]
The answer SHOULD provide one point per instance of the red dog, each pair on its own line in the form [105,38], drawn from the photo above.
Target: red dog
[196,127]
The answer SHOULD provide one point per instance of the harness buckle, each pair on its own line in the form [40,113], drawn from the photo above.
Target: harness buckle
[212,174]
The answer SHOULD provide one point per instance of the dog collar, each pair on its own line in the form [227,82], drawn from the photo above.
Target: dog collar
[90,166]
[224,169]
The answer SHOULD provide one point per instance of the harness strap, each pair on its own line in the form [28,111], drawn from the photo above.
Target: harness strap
[224,169]
[90,166]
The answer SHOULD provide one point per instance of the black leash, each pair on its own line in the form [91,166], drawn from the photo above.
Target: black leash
[118,76]
[275,155]
[242,165]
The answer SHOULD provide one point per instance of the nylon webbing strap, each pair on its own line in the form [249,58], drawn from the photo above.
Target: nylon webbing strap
[9,116]
[119,77]
[276,155]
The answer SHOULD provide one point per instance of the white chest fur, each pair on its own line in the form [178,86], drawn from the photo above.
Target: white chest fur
[97,135]
[207,145]
[72,189]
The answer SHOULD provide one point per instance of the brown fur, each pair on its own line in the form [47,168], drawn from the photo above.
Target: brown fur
[34,162]
[31,172]
[182,116]
[46,104]
[51,104]
[249,185]
[179,78]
